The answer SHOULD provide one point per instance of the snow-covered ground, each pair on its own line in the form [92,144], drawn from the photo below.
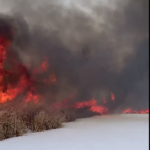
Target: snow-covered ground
[116,132]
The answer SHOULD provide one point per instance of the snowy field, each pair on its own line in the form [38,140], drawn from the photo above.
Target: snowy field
[116,132]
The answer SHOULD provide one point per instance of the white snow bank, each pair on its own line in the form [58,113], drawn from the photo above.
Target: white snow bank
[116,132]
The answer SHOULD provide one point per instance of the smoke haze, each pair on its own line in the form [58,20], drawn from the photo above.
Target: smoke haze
[92,47]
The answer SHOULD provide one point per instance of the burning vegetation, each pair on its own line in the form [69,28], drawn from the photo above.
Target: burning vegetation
[50,74]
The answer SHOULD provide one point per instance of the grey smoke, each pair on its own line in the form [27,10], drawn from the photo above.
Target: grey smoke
[94,50]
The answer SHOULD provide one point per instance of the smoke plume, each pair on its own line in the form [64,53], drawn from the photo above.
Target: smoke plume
[93,48]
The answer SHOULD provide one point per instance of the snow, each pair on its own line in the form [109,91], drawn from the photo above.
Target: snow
[115,132]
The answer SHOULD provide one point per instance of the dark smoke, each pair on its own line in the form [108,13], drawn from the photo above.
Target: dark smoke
[95,52]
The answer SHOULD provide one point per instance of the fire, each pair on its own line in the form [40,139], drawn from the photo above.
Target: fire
[34,97]
[25,83]
[90,103]
[43,67]
[4,44]
[131,111]
[51,79]
[112,96]
[93,106]
[99,109]
[26,80]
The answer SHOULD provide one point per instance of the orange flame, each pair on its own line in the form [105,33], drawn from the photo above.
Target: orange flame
[24,81]
[112,96]
[129,110]
[93,106]
[43,67]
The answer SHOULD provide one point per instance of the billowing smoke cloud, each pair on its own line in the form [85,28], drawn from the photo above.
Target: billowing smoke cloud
[92,47]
